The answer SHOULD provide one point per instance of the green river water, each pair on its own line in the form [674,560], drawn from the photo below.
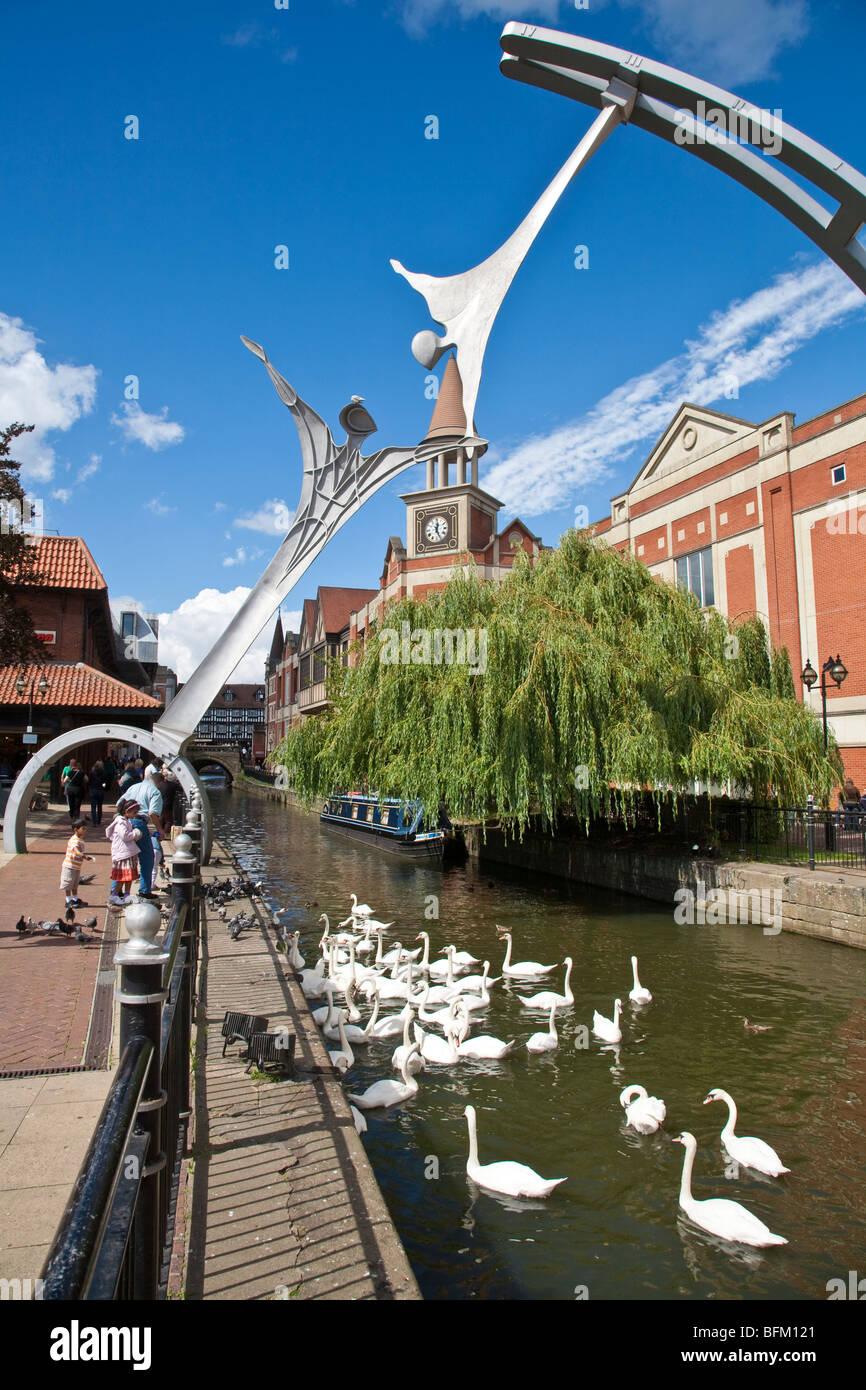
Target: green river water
[613,1230]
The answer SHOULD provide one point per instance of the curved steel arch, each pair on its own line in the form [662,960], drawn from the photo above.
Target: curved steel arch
[15,818]
[668,101]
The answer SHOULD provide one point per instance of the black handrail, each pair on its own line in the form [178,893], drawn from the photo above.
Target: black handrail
[73,1257]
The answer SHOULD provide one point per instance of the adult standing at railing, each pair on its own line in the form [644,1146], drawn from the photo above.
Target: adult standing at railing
[149,799]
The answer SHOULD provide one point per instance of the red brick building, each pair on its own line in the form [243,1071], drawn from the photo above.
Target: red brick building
[68,600]
[770,519]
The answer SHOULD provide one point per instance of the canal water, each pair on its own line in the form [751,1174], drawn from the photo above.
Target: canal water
[612,1231]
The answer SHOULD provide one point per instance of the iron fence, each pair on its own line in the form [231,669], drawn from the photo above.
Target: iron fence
[115,1239]
[793,834]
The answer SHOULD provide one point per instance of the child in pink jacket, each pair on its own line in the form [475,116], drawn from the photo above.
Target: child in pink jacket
[124,839]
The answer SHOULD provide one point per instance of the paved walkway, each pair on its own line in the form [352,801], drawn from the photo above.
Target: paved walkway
[48,987]
[284,1202]
[47,981]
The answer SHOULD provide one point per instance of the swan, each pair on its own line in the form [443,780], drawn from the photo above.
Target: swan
[360,909]
[326,1016]
[645,1113]
[356,1035]
[719,1215]
[441,1017]
[389,1027]
[608,1029]
[398,955]
[513,1179]
[296,960]
[545,1042]
[523,967]
[313,982]
[546,998]
[638,994]
[751,1152]
[405,1050]
[441,1052]
[481,1048]
[384,1093]
[471,984]
[360,1121]
[344,1057]
[391,988]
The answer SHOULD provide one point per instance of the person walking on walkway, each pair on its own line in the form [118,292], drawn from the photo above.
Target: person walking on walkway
[125,837]
[74,785]
[128,778]
[110,767]
[97,781]
[73,863]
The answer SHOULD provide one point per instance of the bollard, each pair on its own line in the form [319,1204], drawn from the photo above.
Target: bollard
[183,892]
[810,829]
[141,997]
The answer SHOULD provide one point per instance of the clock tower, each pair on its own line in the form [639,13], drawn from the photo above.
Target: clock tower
[453,514]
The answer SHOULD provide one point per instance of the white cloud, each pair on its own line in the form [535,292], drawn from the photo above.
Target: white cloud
[724,41]
[418,15]
[254,35]
[153,431]
[239,557]
[244,37]
[751,340]
[51,398]
[188,633]
[88,469]
[273,517]
[62,494]
[159,507]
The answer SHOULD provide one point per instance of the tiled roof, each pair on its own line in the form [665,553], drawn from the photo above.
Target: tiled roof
[72,687]
[337,604]
[243,696]
[64,562]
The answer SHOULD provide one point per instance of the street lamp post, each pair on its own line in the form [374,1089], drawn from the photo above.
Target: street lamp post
[42,688]
[830,668]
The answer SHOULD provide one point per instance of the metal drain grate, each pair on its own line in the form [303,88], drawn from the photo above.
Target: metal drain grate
[45,1071]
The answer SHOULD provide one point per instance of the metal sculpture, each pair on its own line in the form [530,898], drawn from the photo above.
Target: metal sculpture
[336,481]
[675,105]
[467,304]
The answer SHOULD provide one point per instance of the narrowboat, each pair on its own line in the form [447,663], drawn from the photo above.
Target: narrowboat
[391,825]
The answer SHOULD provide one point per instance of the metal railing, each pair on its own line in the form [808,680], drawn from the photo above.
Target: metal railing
[116,1235]
[794,834]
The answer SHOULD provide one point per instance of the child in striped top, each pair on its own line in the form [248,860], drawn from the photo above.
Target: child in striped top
[73,861]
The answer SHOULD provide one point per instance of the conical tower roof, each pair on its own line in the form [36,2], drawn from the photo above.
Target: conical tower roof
[449,417]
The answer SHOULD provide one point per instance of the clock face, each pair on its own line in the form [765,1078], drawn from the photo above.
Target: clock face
[436,529]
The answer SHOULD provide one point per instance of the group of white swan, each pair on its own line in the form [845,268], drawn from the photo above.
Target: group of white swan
[401,976]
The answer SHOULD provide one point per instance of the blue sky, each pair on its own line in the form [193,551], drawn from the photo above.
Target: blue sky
[305,127]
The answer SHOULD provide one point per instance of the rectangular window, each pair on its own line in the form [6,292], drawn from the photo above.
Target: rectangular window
[838,473]
[695,573]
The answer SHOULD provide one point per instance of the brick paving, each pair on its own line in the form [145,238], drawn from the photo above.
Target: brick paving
[47,981]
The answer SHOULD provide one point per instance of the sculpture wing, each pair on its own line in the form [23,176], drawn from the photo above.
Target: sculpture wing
[317,442]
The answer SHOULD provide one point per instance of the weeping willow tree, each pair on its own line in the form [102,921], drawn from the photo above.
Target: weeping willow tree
[585,683]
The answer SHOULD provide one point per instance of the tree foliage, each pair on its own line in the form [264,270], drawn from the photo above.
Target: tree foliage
[600,682]
[17,638]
